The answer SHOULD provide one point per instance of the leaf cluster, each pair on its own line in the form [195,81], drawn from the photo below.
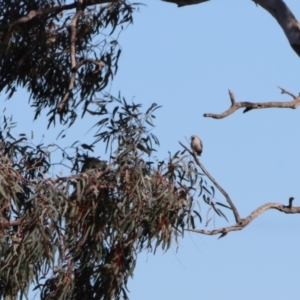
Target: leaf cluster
[77,237]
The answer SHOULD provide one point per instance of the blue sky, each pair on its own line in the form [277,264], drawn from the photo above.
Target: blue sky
[185,59]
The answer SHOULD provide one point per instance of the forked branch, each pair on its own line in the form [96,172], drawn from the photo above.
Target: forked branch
[240,222]
[289,209]
[259,105]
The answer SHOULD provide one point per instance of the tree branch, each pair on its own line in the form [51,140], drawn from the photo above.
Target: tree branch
[229,201]
[244,222]
[278,9]
[240,222]
[74,65]
[50,10]
[34,13]
[285,18]
[259,105]
[73,29]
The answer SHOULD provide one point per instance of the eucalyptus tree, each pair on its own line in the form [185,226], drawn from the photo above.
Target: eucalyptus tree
[78,236]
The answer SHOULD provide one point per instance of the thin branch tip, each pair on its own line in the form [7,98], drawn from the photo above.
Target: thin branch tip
[222,235]
[231,96]
[291,202]
[284,91]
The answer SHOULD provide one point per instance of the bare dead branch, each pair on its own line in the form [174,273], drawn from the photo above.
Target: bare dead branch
[259,105]
[278,9]
[244,222]
[286,19]
[229,201]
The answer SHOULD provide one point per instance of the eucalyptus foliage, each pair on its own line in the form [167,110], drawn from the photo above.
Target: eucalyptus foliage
[78,236]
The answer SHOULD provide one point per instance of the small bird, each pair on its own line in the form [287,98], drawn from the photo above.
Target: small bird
[196,144]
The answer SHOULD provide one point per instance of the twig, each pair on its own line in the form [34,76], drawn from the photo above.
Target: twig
[229,201]
[259,105]
[291,202]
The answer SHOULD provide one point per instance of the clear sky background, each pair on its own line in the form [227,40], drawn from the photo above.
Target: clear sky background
[185,59]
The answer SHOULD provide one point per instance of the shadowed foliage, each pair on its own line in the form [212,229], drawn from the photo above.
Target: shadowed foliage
[63,54]
[84,231]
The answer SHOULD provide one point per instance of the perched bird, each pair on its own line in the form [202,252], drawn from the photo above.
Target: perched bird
[196,144]
[93,163]
[185,2]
